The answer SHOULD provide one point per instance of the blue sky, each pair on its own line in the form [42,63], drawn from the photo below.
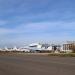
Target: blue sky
[27,21]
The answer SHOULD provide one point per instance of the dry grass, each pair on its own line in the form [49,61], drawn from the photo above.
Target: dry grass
[62,54]
[46,54]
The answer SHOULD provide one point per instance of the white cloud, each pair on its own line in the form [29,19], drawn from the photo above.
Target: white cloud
[4,31]
[2,22]
[46,31]
[41,27]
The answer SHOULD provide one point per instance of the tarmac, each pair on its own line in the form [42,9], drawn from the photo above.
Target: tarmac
[36,65]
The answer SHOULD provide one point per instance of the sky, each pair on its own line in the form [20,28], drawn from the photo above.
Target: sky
[27,21]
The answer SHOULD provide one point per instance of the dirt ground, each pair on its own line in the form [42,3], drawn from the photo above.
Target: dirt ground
[36,65]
